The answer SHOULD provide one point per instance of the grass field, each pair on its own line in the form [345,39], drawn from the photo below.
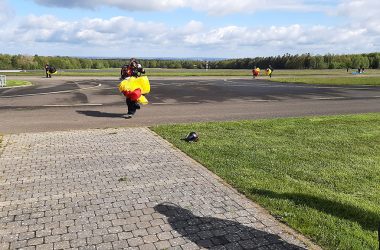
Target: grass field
[320,175]
[15,83]
[327,77]
[200,72]
[331,80]
[149,72]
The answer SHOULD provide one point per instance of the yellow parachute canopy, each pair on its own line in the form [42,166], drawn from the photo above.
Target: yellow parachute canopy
[256,71]
[268,72]
[142,100]
[133,83]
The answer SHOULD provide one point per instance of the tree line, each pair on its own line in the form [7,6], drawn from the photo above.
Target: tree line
[286,61]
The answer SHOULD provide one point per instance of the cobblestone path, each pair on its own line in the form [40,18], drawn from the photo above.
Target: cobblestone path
[122,189]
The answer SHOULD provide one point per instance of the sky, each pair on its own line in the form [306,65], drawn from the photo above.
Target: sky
[188,28]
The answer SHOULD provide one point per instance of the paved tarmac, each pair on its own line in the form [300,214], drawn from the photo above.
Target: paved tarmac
[123,189]
[66,103]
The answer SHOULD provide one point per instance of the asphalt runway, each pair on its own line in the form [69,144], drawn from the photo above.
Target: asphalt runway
[68,103]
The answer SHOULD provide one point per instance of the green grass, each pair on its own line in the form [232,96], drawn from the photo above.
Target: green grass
[198,72]
[149,72]
[319,72]
[41,73]
[15,83]
[352,80]
[330,77]
[320,175]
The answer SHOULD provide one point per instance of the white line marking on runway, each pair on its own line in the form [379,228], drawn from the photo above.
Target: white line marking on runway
[73,105]
[344,97]
[291,85]
[173,103]
[54,92]
[329,98]
[259,100]
[235,101]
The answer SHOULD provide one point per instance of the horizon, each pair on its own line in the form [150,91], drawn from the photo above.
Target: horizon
[188,58]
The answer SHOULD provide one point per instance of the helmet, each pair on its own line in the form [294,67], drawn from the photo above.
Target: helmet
[133,62]
[192,137]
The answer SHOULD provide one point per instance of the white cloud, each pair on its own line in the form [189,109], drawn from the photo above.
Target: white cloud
[213,7]
[112,38]
[192,26]
[359,9]
[147,5]
[293,38]
[6,12]
[249,6]
[361,14]
[87,31]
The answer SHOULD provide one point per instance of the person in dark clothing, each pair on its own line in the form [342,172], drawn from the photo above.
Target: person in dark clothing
[49,70]
[47,67]
[124,72]
[132,107]
[271,70]
[134,69]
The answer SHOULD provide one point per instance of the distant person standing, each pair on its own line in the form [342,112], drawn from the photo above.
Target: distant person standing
[255,72]
[270,70]
[47,70]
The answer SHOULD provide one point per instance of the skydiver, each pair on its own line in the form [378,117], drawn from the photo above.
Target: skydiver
[134,69]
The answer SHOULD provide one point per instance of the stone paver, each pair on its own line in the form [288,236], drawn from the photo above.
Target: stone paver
[123,189]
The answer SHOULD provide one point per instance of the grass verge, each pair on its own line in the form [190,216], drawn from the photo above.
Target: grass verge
[15,83]
[354,80]
[200,72]
[149,72]
[320,175]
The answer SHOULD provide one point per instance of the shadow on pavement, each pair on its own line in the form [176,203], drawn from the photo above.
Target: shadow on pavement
[95,113]
[210,232]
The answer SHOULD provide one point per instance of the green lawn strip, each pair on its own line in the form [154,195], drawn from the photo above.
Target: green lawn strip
[62,73]
[320,175]
[318,72]
[149,72]
[15,83]
[198,72]
[352,80]
[278,75]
